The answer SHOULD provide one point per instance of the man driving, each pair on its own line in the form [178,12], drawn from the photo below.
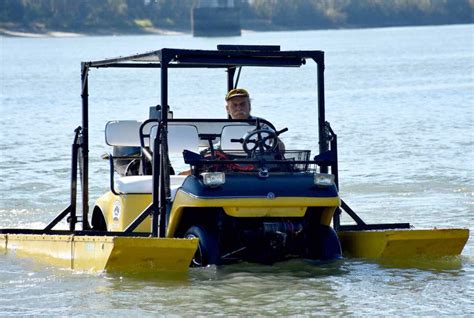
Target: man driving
[238,106]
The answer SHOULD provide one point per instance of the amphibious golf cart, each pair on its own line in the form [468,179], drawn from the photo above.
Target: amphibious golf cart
[244,198]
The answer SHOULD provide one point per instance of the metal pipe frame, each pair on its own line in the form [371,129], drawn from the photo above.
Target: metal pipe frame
[85,145]
[256,56]
[160,201]
[230,78]
[226,57]
[323,138]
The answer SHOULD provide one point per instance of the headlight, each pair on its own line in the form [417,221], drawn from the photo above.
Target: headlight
[323,179]
[213,179]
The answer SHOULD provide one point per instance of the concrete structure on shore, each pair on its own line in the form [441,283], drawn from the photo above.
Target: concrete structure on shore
[215,18]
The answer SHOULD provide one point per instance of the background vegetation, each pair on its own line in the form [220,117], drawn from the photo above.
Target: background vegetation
[97,16]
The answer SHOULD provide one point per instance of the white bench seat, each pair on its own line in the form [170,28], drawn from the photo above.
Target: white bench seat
[144,184]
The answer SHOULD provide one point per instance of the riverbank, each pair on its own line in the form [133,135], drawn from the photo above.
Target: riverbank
[39,31]
[10,30]
[45,18]
[63,34]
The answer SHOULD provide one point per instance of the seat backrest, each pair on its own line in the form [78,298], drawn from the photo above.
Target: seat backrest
[123,133]
[233,132]
[180,137]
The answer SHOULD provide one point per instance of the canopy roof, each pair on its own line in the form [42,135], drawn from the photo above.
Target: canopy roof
[224,57]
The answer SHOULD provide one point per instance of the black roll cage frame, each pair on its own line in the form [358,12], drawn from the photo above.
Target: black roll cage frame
[228,57]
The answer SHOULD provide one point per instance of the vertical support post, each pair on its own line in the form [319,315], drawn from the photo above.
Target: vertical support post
[230,78]
[73,217]
[164,170]
[156,183]
[323,144]
[85,145]
[334,166]
[161,178]
[230,81]
[335,171]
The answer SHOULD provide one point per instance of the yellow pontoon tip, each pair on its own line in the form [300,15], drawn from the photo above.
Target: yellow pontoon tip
[403,243]
[99,253]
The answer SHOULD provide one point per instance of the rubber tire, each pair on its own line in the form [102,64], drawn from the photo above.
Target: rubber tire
[98,220]
[208,248]
[325,244]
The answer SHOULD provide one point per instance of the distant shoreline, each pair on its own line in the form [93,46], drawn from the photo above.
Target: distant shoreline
[44,33]
[48,18]
[47,33]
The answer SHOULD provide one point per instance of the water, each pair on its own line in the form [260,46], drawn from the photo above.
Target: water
[400,99]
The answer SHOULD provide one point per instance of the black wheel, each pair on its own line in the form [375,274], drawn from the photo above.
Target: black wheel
[324,244]
[208,248]
[98,221]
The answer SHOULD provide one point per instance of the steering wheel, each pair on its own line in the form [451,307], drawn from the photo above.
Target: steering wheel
[261,140]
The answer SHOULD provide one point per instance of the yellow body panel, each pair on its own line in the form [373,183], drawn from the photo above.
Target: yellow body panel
[252,207]
[403,243]
[120,210]
[110,253]
[261,212]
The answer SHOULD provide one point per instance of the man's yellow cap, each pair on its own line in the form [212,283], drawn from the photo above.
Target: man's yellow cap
[236,92]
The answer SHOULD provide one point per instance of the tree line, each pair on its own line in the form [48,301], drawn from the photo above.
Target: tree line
[363,13]
[135,15]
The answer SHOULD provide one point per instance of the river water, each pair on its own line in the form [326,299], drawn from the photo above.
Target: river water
[400,99]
